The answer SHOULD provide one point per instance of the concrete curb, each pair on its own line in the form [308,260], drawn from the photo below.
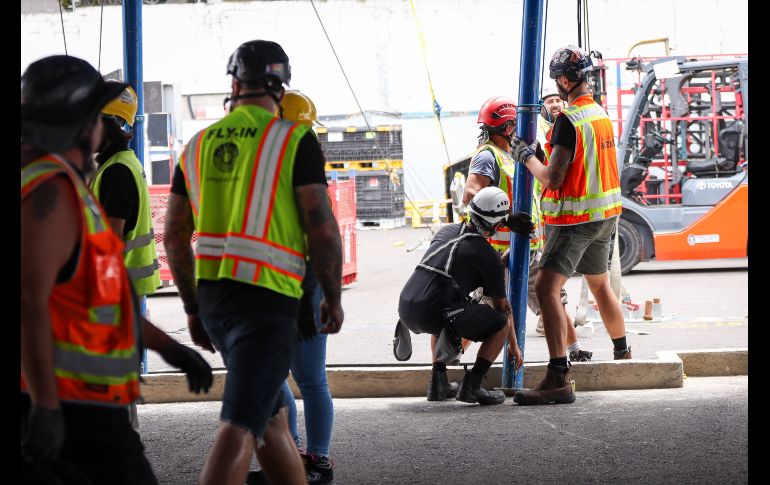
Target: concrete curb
[667,371]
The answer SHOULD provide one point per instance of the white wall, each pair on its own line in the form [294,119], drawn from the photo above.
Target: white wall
[472,49]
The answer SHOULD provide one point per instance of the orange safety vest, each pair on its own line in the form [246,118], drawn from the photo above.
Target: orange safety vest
[95,329]
[591,189]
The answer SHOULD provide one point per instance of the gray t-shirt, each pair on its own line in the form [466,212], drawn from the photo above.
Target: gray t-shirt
[484,163]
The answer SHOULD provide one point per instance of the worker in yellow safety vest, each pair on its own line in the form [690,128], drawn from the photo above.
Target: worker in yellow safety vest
[580,205]
[253,186]
[121,186]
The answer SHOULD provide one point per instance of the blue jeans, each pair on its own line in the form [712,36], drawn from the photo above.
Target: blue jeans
[309,371]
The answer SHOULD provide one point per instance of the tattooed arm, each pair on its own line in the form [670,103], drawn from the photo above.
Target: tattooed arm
[324,249]
[551,176]
[177,234]
[50,231]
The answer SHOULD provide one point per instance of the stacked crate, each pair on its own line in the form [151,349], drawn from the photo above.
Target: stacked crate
[375,159]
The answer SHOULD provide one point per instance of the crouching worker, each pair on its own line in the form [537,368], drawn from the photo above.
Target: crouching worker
[459,260]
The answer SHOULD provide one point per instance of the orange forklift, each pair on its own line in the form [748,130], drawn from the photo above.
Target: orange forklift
[683,162]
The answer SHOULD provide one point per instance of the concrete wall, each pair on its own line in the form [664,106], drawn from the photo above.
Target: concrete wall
[378,46]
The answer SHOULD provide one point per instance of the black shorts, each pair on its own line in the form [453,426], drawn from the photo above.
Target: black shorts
[100,443]
[471,320]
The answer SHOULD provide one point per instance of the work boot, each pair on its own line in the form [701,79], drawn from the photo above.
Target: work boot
[622,354]
[471,393]
[554,388]
[580,356]
[440,387]
[540,329]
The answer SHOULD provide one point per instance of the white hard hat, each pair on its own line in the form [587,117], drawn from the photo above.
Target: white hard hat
[489,206]
[549,89]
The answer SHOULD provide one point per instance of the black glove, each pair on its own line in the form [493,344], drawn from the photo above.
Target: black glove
[198,371]
[45,434]
[520,223]
[539,152]
[520,151]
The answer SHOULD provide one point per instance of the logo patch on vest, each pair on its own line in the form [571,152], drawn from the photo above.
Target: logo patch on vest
[224,157]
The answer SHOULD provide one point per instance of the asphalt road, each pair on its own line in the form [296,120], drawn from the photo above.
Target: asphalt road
[696,434]
[705,306]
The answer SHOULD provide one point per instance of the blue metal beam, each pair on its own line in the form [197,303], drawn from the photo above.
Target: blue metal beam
[132,67]
[526,128]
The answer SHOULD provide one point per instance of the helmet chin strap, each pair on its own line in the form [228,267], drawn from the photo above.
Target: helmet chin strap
[561,90]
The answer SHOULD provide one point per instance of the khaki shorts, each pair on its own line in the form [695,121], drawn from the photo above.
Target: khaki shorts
[582,248]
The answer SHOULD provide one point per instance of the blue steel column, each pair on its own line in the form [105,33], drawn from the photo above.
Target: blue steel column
[132,67]
[526,126]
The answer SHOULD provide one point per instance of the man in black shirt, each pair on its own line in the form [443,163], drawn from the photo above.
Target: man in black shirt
[458,261]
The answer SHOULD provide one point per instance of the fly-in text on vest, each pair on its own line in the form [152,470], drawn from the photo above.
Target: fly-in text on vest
[242,132]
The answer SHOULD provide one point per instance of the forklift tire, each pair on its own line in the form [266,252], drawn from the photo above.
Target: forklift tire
[630,244]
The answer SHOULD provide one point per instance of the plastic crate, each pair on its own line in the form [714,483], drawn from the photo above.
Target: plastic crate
[358,143]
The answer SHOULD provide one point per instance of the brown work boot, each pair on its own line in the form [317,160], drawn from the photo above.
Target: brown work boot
[555,387]
[622,354]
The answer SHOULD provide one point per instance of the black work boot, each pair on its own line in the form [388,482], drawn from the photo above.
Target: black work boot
[622,354]
[473,392]
[440,387]
[554,388]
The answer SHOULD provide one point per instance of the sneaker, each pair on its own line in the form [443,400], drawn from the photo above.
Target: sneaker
[440,388]
[622,354]
[540,330]
[318,469]
[580,356]
[555,387]
[467,393]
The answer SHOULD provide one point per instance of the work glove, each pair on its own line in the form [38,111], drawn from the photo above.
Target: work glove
[520,223]
[45,434]
[198,371]
[520,151]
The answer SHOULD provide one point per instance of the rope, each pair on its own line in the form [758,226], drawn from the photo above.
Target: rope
[436,106]
[61,16]
[101,22]
[388,167]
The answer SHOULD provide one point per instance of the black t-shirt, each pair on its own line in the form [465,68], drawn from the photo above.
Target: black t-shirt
[475,264]
[119,195]
[564,133]
[222,297]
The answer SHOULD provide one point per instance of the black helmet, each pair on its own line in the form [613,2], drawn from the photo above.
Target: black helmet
[60,96]
[570,61]
[260,63]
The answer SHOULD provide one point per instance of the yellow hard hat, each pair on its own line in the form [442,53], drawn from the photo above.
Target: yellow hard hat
[299,108]
[124,106]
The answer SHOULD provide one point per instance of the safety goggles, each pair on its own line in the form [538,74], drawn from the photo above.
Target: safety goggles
[119,121]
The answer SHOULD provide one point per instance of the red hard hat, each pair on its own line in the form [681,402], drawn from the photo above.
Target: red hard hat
[497,110]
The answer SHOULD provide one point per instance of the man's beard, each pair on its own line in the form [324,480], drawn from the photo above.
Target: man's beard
[563,93]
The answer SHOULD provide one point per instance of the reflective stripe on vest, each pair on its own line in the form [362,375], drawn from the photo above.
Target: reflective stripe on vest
[591,189]
[248,223]
[140,254]
[95,344]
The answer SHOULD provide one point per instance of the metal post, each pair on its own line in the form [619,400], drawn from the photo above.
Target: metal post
[526,126]
[132,66]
